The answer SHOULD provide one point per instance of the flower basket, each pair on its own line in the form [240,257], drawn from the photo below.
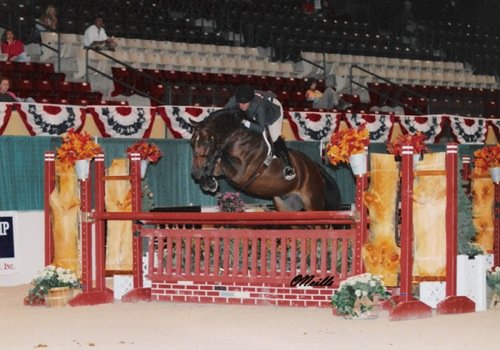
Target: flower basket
[357,296]
[358,163]
[82,168]
[53,281]
[144,167]
[345,143]
[495,174]
[58,297]
[493,281]
[417,141]
[77,147]
[149,152]
[486,158]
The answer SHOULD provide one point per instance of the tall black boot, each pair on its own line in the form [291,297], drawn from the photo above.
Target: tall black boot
[282,153]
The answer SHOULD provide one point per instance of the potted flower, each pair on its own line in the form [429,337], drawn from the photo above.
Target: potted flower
[230,202]
[488,158]
[78,149]
[358,295]
[493,281]
[150,153]
[417,141]
[348,145]
[53,286]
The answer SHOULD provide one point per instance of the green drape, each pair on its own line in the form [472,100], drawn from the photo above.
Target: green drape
[21,171]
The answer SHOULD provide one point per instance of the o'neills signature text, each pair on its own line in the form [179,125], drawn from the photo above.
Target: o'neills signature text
[311,281]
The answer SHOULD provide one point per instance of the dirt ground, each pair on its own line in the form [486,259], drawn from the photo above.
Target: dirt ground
[159,325]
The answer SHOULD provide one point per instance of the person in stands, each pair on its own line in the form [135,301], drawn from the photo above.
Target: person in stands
[13,48]
[322,100]
[48,19]
[95,36]
[264,112]
[5,94]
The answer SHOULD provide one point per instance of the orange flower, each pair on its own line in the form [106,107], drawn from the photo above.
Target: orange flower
[347,142]
[417,141]
[487,157]
[76,147]
[147,151]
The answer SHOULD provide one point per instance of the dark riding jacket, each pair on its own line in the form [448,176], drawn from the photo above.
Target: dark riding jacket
[261,111]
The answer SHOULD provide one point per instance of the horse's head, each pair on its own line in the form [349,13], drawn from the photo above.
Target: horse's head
[209,139]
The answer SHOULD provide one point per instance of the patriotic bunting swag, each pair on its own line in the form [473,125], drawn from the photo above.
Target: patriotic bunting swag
[178,118]
[137,122]
[5,113]
[124,121]
[469,130]
[51,120]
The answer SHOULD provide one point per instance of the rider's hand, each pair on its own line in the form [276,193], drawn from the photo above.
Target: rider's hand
[246,123]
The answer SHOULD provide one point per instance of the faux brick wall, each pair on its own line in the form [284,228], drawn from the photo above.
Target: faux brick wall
[242,293]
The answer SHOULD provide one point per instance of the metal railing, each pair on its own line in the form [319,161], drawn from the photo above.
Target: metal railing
[401,88]
[57,49]
[134,71]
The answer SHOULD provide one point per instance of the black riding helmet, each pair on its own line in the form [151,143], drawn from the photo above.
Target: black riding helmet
[244,94]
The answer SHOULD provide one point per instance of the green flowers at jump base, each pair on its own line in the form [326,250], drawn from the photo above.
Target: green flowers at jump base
[359,294]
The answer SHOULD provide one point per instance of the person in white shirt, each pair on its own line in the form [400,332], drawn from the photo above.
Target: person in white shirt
[95,36]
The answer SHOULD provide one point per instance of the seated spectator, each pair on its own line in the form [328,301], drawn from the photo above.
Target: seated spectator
[13,48]
[5,94]
[48,20]
[46,23]
[95,37]
[322,100]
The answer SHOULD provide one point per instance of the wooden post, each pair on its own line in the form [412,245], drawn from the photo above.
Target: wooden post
[49,186]
[452,304]
[407,307]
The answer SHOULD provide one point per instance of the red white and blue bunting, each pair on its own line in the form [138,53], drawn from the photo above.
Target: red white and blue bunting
[430,125]
[5,113]
[309,126]
[137,122]
[124,121]
[51,120]
[178,118]
[468,130]
[379,126]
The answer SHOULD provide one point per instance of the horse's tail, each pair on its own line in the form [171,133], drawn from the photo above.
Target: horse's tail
[332,190]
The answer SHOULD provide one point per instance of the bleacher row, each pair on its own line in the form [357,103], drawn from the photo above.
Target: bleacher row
[40,82]
[169,55]
[402,70]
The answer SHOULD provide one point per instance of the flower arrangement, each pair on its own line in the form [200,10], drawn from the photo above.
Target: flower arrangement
[77,146]
[356,295]
[148,151]
[417,141]
[347,142]
[493,279]
[230,202]
[51,277]
[487,157]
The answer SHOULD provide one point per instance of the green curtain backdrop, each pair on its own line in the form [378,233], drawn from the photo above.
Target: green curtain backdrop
[21,171]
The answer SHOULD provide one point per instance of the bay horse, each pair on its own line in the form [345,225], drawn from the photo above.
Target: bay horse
[223,146]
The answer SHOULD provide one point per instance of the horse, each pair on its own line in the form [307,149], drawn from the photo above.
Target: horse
[223,146]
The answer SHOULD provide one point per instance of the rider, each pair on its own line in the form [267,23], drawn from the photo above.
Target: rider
[265,112]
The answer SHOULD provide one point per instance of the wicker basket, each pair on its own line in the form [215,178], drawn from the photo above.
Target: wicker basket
[58,297]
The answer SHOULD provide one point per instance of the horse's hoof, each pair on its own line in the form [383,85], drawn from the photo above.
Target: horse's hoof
[211,185]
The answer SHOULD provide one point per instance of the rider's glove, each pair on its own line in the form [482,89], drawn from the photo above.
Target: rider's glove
[246,123]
